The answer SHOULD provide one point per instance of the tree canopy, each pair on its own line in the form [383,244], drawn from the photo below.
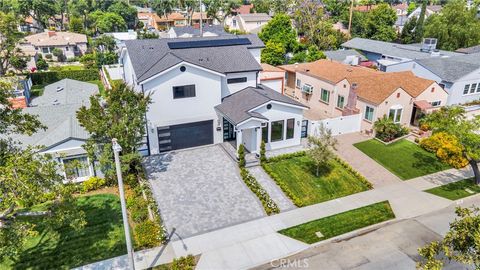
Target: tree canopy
[9,38]
[375,24]
[455,27]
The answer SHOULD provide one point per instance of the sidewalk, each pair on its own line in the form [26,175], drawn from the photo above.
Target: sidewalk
[257,242]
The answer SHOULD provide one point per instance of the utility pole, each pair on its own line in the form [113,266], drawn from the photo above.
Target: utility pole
[350,20]
[201,21]
[116,151]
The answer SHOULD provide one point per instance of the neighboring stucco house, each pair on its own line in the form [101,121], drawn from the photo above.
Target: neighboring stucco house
[249,23]
[459,75]
[386,55]
[72,44]
[63,137]
[205,91]
[332,89]
[273,77]
[20,89]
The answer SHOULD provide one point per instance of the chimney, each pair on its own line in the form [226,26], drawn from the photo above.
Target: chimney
[351,107]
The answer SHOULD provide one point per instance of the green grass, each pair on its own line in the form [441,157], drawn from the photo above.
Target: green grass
[403,158]
[298,175]
[64,248]
[341,223]
[68,67]
[456,190]
[101,88]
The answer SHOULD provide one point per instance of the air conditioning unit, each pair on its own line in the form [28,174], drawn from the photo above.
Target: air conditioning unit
[429,44]
[307,89]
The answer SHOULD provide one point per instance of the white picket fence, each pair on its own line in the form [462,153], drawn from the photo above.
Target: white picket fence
[338,125]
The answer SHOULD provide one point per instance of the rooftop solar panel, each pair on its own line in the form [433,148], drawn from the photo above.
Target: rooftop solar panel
[208,43]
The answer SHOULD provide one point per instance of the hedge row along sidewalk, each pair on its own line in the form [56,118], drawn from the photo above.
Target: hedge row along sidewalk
[48,77]
[268,204]
[331,226]
[292,173]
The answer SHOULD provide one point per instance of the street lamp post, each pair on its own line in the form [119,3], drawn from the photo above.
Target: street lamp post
[116,150]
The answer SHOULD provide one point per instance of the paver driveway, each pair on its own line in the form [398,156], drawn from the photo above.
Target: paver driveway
[200,190]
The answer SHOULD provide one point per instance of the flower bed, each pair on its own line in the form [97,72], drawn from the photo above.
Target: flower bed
[268,204]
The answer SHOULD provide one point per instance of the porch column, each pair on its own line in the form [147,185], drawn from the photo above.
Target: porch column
[258,140]
[239,139]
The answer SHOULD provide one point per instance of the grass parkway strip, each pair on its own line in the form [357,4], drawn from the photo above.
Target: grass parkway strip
[456,190]
[331,226]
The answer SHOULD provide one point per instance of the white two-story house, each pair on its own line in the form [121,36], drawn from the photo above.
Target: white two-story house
[191,81]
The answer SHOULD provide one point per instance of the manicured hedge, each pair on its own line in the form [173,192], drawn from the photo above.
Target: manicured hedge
[54,76]
[268,204]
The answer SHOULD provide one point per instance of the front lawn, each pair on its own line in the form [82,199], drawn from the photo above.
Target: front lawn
[296,176]
[456,190]
[64,248]
[341,223]
[403,158]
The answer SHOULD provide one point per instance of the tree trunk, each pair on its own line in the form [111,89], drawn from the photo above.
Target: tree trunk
[476,171]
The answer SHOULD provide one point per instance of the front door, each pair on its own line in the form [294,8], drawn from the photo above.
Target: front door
[228,131]
[304,133]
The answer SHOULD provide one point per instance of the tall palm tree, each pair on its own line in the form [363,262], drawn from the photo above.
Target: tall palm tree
[164,7]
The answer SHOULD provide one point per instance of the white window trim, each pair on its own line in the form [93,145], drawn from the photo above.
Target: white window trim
[436,101]
[78,179]
[365,113]
[396,108]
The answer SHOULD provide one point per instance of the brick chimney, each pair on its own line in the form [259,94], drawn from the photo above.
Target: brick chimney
[351,107]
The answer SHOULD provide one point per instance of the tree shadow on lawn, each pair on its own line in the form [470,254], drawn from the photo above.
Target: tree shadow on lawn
[323,170]
[427,163]
[64,248]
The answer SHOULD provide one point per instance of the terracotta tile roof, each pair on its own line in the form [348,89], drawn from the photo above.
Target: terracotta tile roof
[244,9]
[175,16]
[270,68]
[51,38]
[196,16]
[372,86]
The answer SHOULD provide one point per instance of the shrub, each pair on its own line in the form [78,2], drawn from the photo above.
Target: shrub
[41,64]
[268,204]
[54,76]
[417,140]
[183,263]
[241,156]
[446,147]
[139,210]
[48,56]
[148,234]
[386,130]
[263,156]
[93,183]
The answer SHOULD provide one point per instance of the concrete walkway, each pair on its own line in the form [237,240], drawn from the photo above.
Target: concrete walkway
[440,178]
[374,172]
[277,195]
[257,242]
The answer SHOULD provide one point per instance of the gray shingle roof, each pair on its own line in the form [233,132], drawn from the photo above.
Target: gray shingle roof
[391,49]
[236,107]
[469,50]
[60,120]
[255,17]
[152,56]
[451,69]
[216,29]
[341,55]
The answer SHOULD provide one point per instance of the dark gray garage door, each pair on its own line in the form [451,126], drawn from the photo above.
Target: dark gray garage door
[185,135]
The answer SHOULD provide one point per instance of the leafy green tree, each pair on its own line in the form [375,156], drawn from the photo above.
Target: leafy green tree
[452,121]
[75,25]
[88,60]
[261,6]
[408,32]
[460,243]
[320,147]
[105,43]
[10,37]
[281,6]
[456,27]
[59,54]
[147,35]
[411,7]
[380,23]
[18,62]
[40,10]
[279,30]
[110,22]
[336,8]
[419,28]
[119,114]
[213,8]
[126,11]
[309,55]
[26,179]
[105,58]
[273,53]
[41,64]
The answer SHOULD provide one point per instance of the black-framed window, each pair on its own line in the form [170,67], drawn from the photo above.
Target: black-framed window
[237,80]
[184,91]
[276,132]
[290,128]
[265,133]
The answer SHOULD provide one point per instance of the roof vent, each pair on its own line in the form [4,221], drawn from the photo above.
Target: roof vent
[56,102]
[307,70]
[429,44]
[59,88]
[354,86]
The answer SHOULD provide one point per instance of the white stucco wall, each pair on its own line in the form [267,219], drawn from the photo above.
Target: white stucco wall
[128,72]
[166,111]
[456,95]
[228,89]
[256,52]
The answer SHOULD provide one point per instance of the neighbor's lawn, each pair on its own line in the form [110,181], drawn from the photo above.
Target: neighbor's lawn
[100,239]
[298,175]
[66,67]
[403,158]
[456,190]
[341,223]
